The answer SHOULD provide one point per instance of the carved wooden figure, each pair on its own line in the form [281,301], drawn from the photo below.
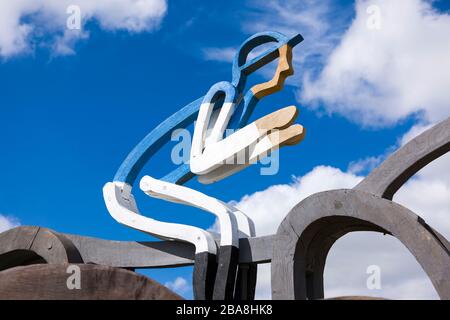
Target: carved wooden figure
[223,107]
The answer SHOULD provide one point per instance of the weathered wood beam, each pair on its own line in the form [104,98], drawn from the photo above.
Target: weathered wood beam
[160,254]
[26,245]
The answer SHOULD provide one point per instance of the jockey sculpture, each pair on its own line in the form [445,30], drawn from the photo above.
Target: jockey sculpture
[217,274]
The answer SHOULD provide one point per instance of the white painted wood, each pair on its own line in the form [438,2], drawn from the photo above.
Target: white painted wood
[246,225]
[221,123]
[122,207]
[201,126]
[216,154]
[212,122]
[221,173]
[181,194]
[257,150]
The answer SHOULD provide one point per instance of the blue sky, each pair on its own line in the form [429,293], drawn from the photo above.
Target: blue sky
[68,120]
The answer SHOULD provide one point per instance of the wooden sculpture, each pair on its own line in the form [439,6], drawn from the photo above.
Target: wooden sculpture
[215,269]
[225,264]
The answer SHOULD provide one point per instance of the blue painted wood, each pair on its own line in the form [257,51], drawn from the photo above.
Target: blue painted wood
[158,137]
[221,88]
[243,111]
[180,175]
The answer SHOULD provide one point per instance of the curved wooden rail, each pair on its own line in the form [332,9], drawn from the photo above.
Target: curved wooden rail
[309,230]
[392,174]
[28,245]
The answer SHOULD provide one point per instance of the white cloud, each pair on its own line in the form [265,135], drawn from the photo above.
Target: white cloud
[7,222]
[401,277]
[364,165]
[378,77]
[219,54]
[318,21]
[309,17]
[179,285]
[268,208]
[28,23]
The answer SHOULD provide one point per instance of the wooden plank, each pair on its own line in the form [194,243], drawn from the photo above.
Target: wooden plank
[160,254]
[146,254]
